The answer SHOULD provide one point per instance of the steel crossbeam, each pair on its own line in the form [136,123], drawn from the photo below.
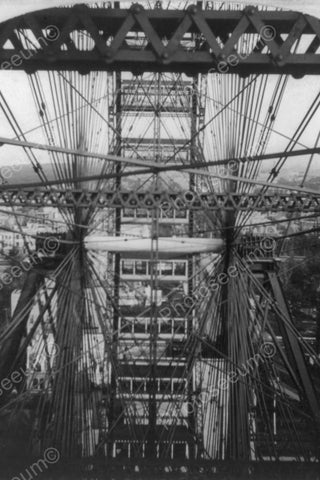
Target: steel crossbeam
[186,200]
[162,40]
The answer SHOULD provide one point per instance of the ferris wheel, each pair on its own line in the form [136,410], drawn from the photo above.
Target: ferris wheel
[150,321]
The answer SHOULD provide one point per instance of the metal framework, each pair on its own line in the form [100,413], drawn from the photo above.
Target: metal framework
[139,401]
[167,201]
[159,40]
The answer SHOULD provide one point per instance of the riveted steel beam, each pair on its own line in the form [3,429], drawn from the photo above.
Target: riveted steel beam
[186,200]
[162,40]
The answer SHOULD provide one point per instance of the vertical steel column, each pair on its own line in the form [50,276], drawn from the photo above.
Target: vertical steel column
[193,159]
[117,259]
[152,432]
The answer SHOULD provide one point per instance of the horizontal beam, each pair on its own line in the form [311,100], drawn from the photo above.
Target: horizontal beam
[81,153]
[186,200]
[153,167]
[162,40]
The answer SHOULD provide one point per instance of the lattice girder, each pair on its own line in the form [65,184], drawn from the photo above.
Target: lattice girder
[163,40]
[185,200]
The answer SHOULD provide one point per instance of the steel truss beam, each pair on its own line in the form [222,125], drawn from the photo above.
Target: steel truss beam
[191,41]
[186,200]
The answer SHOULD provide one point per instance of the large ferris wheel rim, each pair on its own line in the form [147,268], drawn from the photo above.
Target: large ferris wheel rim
[170,41]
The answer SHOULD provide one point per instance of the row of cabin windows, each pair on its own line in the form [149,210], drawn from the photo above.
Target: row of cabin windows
[139,350]
[164,212]
[144,267]
[164,386]
[142,325]
[135,450]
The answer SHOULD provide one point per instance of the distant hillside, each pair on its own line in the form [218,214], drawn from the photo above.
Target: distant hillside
[312,183]
[27,175]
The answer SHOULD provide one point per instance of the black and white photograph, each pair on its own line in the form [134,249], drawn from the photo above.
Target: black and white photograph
[159,240]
